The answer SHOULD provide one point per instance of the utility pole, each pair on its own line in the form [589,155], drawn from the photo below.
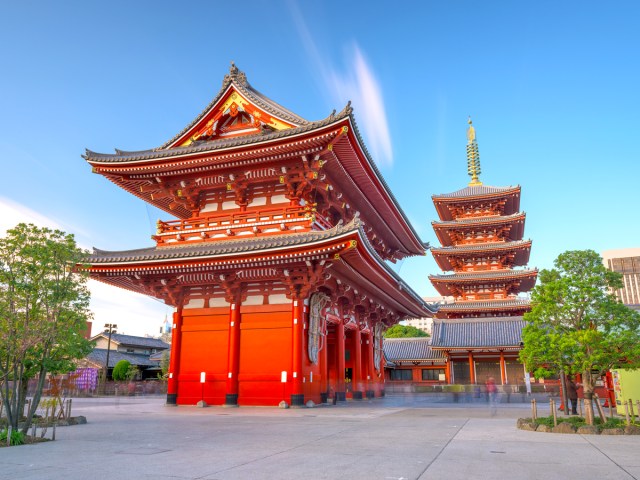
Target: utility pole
[111,328]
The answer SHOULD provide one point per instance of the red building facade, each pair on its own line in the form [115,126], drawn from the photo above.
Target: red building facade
[481,231]
[277,261]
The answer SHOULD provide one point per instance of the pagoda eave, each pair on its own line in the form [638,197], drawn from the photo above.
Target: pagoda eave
[156,271]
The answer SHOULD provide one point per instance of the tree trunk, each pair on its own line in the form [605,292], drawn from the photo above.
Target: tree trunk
[587,389]
[36,399]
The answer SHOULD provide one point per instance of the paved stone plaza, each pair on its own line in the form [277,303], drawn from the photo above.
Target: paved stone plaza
[399,437]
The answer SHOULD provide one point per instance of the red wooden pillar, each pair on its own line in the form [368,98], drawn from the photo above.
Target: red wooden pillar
[174,360]
[370,366]
[503,369]
[340,388]
[447,370]
[233,359]
[357,365]
[472,371]
[297,392]
[324,367]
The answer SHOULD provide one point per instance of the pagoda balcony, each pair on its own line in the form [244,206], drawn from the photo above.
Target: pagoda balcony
[225,225]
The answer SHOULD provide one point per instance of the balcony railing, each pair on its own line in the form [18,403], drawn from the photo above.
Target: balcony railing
[225,225]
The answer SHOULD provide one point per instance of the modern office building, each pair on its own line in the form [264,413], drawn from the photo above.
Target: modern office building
[627,262]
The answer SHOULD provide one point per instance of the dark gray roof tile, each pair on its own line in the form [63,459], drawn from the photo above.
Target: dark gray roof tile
[99,357]
[477,333]
[408,349]
[481,190]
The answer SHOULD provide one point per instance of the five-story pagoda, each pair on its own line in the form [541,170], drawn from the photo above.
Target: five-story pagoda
[277,261]
[481,232]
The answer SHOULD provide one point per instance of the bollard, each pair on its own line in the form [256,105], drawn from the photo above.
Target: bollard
[53,434]
[69,408]
[610,409]
[631,414]
[534,410]
[580,407]
[552,404]
[9,436]
[626,412]
[600,410]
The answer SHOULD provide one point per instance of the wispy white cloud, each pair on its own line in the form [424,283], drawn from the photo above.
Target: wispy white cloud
[13,213]
[363,89]
[135,314]
[357,82]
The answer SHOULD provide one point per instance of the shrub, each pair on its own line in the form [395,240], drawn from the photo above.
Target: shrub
[17,437]
[121,370]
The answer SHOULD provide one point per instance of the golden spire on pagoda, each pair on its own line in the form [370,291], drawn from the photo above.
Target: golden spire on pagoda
[473,156]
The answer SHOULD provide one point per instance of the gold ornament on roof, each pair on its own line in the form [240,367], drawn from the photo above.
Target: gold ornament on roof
[473,156]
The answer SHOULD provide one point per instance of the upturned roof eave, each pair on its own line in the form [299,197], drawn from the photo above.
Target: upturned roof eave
[242,85]
[122,158]
[420,245]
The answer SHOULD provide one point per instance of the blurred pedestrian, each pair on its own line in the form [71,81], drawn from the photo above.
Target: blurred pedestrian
[572,394]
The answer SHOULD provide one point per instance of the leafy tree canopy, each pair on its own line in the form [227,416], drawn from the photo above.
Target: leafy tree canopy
[576,325]
[44,307]
[121,370]
[404,331]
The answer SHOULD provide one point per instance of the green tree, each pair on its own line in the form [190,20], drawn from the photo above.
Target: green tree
[404,331]
[576,325]
[44,306]
[120,370]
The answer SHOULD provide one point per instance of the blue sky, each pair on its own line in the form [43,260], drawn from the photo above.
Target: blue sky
[552,88]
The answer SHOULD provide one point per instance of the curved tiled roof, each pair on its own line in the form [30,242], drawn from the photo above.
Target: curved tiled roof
[411,349]
[220,247]
[122,156]
[478,333]
[477,191]
[486,274]
[462,222]
[486,304]
[470,248]
[239,80]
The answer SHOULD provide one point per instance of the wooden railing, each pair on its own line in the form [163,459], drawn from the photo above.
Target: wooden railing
[225,225]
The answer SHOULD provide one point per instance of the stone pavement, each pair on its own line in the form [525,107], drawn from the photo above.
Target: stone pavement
[398,437]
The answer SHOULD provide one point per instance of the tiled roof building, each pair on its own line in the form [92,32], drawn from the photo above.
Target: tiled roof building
[481,229]
[277,259]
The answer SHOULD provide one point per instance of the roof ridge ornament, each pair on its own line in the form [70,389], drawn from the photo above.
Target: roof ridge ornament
[473,156]
[235,75]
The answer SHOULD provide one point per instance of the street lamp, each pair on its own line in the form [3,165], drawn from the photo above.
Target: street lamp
[111,328]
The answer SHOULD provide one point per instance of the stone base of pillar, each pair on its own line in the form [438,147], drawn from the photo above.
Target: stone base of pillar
[297,399]
[324,397]
[231,400]
[371,394]
[172,399]
[341,396]
[357,395]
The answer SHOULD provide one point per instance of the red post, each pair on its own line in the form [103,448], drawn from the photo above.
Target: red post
[503,370]
[340,388]
[233,359]
[357,365]
[472,371]
[370,368]
[297,393]
[174,360]
[324,367]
